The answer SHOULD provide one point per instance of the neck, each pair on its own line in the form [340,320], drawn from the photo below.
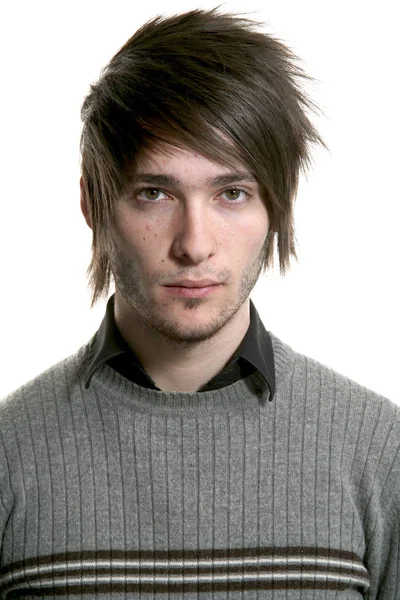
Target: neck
[182,367]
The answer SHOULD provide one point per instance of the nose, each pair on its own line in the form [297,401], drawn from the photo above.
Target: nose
[195,234]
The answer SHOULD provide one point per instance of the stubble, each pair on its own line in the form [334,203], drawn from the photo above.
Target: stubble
[127,274]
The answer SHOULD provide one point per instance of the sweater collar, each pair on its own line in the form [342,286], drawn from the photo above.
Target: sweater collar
[108,344]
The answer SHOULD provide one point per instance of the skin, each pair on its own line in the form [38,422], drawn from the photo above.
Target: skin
[190,227]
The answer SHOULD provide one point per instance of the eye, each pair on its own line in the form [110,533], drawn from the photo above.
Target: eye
[151,194]
[235,195]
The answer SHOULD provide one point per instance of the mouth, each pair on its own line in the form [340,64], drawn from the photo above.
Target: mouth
[192,291]
[189,283]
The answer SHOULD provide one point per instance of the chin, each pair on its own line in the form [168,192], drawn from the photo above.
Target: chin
[188,325]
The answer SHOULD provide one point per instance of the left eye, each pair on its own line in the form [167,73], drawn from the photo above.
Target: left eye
[234,194]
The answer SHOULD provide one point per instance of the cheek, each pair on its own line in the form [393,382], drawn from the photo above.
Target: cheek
[135,236]
[250,238]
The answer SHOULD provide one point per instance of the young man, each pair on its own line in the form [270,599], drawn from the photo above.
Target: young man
[185,451]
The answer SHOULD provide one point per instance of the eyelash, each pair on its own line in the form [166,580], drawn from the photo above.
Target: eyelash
[154,189]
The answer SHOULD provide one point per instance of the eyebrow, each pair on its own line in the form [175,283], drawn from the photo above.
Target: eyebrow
[165,179]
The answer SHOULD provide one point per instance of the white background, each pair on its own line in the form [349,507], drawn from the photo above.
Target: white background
[339,304]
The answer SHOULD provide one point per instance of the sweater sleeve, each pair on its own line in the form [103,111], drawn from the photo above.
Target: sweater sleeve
[6,496]
[383,557]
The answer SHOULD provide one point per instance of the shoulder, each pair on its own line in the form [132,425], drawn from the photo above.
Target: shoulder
[354,423]
[293,367]
[55,382]
[33,415]
[308,386]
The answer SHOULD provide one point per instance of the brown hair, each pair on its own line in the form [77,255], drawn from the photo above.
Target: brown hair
[209,82]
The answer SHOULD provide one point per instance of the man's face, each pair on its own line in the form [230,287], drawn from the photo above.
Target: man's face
[185,221]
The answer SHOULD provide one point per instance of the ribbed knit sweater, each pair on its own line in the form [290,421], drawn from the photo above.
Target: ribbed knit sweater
[118,491]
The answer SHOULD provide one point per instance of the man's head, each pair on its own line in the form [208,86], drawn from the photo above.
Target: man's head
[203,82]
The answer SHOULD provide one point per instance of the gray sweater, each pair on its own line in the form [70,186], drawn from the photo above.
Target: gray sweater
[118,491]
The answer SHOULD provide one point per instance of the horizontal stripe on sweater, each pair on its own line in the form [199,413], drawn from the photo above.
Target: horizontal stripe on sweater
[312,569]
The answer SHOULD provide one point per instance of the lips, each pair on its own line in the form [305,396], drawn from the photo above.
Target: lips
[192,289]
[193,284]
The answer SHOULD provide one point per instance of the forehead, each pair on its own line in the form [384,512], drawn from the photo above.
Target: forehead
[182,162]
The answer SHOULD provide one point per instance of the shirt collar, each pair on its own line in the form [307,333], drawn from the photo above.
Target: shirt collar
[256,347]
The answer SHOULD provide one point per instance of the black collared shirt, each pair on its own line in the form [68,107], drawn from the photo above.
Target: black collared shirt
[254,353]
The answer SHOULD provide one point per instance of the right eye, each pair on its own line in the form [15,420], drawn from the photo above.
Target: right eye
[151,195]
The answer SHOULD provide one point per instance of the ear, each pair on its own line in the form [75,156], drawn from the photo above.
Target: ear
[85,207]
